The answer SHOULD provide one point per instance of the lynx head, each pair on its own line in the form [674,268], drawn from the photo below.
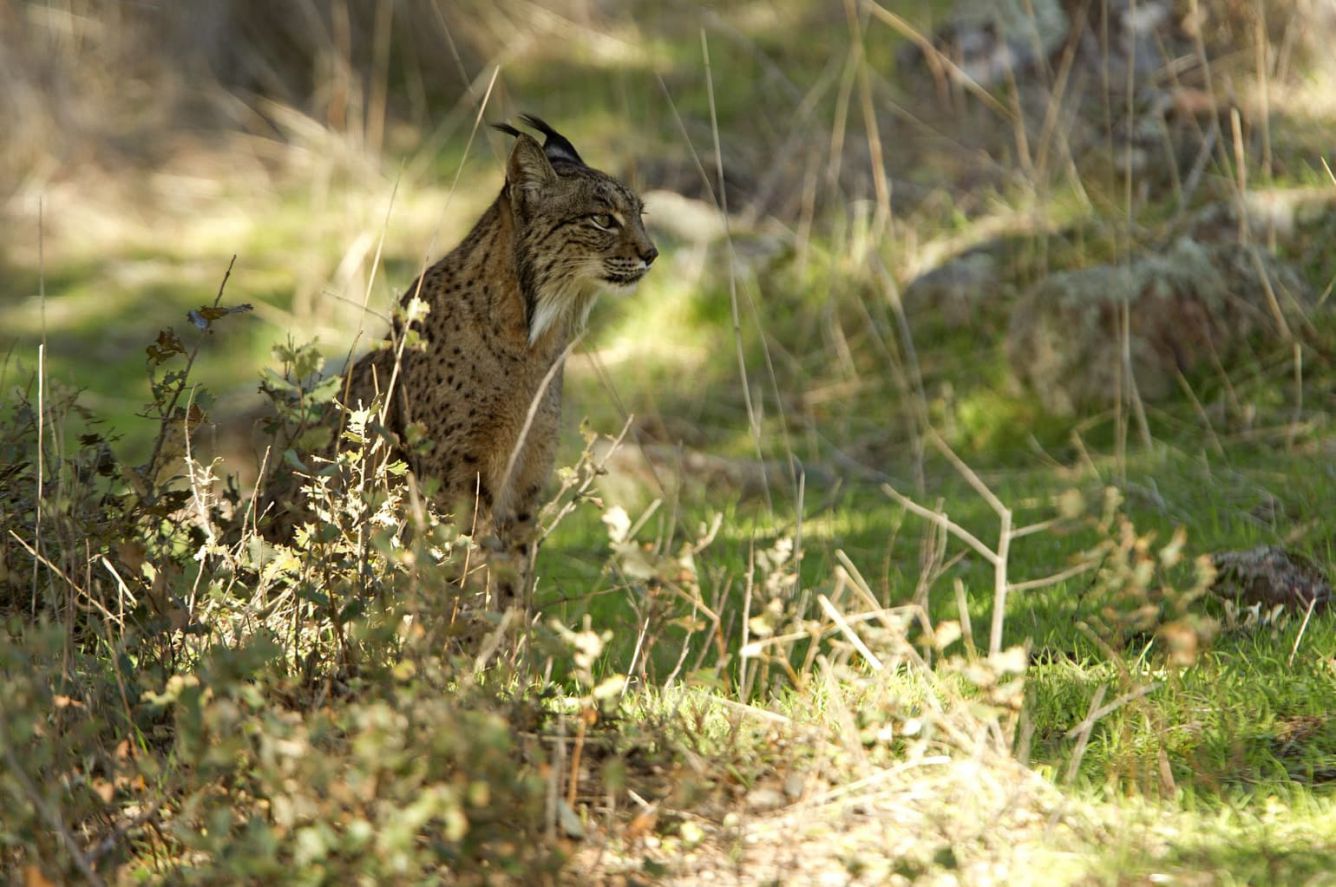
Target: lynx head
[579,230]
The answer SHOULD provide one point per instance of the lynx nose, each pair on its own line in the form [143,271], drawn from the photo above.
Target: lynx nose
[648,254]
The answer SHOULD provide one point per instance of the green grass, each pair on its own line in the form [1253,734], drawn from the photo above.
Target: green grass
[1220,718]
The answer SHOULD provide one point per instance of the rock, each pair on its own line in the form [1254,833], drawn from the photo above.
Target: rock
[687,219]
[1183,304]
[993,41]
[956,289]
[1283,213]
[1270,577]
[1142,36]
[989,40]
[764,798]
[699,230]
[1013,49]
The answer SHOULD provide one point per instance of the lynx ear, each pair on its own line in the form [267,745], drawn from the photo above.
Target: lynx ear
[555,145]
[528,169]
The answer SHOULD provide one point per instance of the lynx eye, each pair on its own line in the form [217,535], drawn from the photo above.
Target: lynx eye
[603,221]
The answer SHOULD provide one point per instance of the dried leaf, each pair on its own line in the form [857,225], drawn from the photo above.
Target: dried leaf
[33,877]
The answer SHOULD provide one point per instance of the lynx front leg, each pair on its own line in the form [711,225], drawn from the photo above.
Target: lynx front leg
[506,541]
[515,515]
[510,564]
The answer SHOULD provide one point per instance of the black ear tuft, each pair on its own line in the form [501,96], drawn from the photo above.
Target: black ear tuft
[556,146]
[506,128]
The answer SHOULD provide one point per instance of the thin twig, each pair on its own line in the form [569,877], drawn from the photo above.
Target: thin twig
[1302,628]
[536,402]
[1098,711]
[151,467]
[1054,579]
[41,393]
[848,631]
[945,522]
[764,714]
[40,558]
[753,418]
[1083,729]
[925,45]
[105,846]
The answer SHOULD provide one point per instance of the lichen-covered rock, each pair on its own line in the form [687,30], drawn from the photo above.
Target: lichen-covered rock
[992,41]
[1183,304]
[989,39]
[1270,577]
[956,290]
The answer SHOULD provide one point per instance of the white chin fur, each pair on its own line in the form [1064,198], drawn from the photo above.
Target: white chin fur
[571,305]
[621,289]
[567,307]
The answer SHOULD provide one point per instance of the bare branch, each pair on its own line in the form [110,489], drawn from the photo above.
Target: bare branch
[942,520]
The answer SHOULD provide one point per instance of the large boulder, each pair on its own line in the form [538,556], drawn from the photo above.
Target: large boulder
[1183,304]
[1270,577]
[994,42]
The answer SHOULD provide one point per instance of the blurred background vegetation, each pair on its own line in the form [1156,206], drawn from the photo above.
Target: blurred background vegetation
[1051,231]
[1084,244]
[333,148]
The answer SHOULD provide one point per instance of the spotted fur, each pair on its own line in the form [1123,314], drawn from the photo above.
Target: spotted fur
[504,306]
